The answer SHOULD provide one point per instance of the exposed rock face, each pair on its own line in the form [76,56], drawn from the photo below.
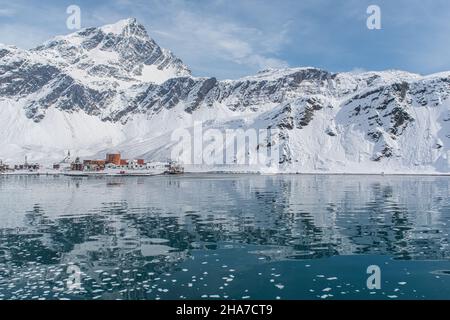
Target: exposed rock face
[87,70]
[118,74]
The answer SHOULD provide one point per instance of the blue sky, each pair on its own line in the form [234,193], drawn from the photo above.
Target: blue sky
[233,38]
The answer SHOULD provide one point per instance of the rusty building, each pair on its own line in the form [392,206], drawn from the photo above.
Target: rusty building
[113,158]
[94,165]
[77,165]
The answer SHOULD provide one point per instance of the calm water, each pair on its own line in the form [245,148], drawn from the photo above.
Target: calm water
[224,236]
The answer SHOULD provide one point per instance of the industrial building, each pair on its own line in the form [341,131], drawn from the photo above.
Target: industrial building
[112,161]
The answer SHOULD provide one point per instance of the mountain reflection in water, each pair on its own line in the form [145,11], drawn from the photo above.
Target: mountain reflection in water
[195,236]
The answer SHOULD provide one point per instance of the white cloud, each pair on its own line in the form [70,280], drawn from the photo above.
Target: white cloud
[7,12]
[227,40]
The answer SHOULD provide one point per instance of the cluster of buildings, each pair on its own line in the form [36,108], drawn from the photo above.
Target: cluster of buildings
[112,161]
[26,166]
[4,167]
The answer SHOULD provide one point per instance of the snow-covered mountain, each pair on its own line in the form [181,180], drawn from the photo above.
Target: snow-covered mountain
[114,88]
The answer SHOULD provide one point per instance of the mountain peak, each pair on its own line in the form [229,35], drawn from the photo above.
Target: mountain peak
[125,28]
[129,26]
[120,51]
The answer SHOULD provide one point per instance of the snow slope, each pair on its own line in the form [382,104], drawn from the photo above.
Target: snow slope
[114,89]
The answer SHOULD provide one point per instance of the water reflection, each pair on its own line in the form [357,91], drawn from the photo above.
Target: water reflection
[133,238]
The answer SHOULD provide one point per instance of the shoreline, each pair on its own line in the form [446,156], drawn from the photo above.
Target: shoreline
[37,174]
[109,174]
